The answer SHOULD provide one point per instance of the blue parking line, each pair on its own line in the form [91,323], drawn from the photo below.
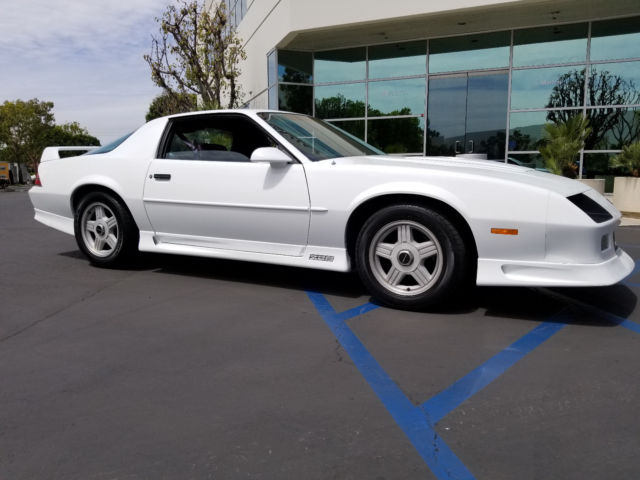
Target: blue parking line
[418,426]
[439,406]
[611,317]
[433,450]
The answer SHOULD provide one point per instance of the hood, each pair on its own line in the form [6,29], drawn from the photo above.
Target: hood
[482,168]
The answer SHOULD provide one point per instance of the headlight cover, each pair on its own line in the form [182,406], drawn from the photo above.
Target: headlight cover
[595,211]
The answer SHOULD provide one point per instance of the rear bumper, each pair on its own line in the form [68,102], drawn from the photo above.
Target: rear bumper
[64,224]
[546,274]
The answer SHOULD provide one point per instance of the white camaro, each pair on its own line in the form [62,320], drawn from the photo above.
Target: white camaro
[288,189]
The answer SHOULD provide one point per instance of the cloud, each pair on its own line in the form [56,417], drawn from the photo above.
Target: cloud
[85,56]
[68,28]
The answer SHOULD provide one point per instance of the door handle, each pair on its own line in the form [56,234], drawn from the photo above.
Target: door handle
[470,146]
[456,147]
[162,176]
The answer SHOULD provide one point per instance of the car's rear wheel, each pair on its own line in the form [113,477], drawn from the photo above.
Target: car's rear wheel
[105,231]
[409,256]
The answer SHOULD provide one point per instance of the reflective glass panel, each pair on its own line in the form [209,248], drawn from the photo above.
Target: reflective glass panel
[295,67]
[548,45]
[353,127]
[295,98]
[600,165]
[529,160]
[615,39]
[397,135]
[613,128]
[447,115]
[615,84]
[397,97]
[273,98]
[526,129]
[487,114]
[470,52]
[547,88]
[398,60]
[340,101]
[340,65]
[272,68]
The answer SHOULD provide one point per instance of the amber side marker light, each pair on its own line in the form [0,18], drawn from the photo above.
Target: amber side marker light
[505,231]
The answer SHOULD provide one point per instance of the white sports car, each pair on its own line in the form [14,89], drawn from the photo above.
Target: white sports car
[284,188]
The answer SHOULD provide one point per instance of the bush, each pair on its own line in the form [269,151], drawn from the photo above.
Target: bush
[629,159]
[562,143]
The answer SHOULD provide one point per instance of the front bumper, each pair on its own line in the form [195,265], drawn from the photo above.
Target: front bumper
[498,272]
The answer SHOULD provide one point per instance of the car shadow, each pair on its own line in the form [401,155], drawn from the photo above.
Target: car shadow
[523,303]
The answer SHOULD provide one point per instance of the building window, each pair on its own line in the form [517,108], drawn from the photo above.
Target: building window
[550,45]
[488,93]
[475,52]
[236,11]
[615,39]
[346,100]
[272,79]
[340,65]
[398,60]
[295,67]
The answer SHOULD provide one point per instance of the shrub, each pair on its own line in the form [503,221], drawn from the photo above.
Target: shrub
[629,159]
[562,143]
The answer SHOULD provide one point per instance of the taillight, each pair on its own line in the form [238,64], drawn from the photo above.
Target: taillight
[37,182]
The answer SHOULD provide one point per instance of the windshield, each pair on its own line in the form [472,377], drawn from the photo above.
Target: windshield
[109,146]
[316,139]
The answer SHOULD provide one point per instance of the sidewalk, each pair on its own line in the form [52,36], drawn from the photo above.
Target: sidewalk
[630,221]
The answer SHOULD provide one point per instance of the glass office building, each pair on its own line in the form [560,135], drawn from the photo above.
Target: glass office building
[489,93]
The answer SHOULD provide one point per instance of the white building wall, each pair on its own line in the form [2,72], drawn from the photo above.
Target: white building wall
[269,23]
[326,24]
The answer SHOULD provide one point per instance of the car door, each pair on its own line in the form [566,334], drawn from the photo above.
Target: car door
[203,190]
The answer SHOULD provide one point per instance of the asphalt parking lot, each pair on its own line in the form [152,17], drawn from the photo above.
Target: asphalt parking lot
[187,368]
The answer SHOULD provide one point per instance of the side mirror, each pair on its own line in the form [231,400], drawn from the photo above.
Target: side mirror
[271,155]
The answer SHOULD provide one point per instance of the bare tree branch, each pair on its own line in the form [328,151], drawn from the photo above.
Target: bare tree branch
[197,53]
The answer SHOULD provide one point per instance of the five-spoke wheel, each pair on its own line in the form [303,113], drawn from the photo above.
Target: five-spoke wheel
[410,256]
[99,229]
[105,231]
[405,257]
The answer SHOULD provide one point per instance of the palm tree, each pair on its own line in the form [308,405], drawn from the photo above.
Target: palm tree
[562,143]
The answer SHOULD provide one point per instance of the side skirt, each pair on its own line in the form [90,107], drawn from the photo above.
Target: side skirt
[322,258]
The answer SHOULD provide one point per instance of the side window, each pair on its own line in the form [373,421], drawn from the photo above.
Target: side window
[220,138]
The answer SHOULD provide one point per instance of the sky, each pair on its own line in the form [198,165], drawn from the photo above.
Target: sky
[83,55]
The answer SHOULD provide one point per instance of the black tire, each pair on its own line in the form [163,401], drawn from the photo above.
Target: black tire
[114,241]
[424,267]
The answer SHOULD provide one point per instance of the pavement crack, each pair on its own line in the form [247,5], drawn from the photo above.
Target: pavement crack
[58,311]
[338,351]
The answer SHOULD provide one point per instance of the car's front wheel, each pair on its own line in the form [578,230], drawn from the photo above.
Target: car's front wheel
[104,230]
[409,256]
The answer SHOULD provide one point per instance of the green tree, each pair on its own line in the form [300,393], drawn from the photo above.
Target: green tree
[24,126]
[197,53]
[70,134]
[339,106]
[27,127]
[165,104]
[562,143]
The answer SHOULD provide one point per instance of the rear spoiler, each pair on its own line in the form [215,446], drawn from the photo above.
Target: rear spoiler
[53,153]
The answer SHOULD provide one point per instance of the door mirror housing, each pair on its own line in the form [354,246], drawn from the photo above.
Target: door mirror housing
[271,155]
